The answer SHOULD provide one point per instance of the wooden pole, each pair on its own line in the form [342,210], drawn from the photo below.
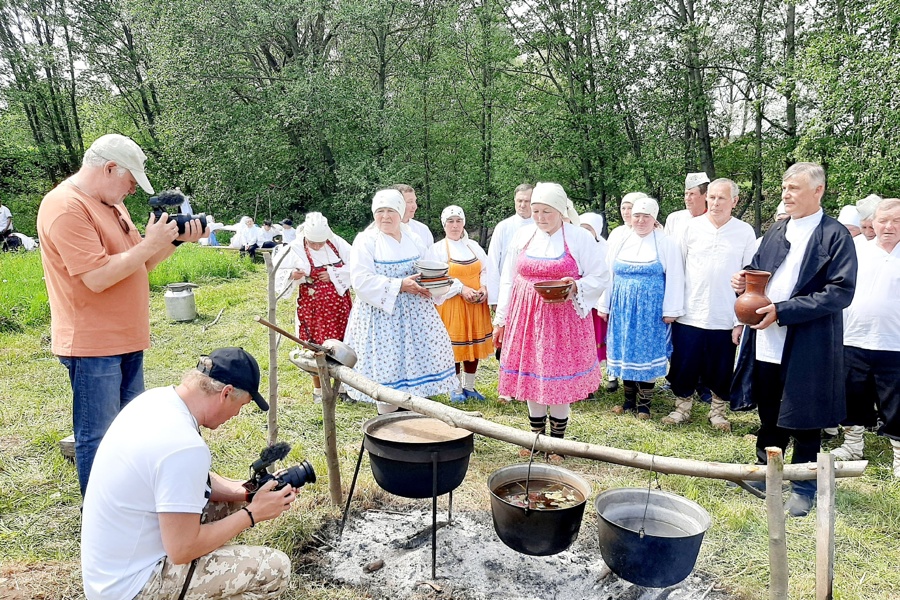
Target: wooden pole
[520,437]
[778,565]
[329,401]
[273,352]
[825,528]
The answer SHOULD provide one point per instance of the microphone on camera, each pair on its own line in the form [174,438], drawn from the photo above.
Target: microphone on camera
[270,454]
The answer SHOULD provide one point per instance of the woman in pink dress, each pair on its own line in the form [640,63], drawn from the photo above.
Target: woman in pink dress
[548,357]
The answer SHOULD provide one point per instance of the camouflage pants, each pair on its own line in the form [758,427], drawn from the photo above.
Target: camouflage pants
[230,572]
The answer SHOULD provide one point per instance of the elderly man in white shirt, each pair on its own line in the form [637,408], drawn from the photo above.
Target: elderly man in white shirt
[872,339]
[417,227]
[704,339]
[503,235]
[695,186]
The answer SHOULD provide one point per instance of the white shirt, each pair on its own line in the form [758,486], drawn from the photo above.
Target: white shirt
[421,230]
[655,245]
[617,235]
[151,460]
[288,234]
[371,245]
[711,256]
[872,321]
[500,241]
[5,216]
[460,250]
[676,222]
[266,235]
[249,236]
[858,241]
[591,267]
[770,341]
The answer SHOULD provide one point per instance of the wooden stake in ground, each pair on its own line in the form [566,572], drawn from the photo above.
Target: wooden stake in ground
[329,402]
[273,346]
[825,527]
[778,565]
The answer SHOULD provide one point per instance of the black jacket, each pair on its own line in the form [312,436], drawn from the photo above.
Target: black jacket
[812,362]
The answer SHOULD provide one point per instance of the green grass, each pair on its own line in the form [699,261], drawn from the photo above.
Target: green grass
[39,517]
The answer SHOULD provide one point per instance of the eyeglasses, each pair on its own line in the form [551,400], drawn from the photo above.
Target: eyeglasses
[122,221]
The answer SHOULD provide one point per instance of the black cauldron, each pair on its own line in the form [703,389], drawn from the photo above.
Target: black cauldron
[666,551]
[536,532]
[407,450]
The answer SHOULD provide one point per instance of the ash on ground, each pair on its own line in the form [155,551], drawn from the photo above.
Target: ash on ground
[387,555]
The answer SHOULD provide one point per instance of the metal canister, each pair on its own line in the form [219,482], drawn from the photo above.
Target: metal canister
[180,304]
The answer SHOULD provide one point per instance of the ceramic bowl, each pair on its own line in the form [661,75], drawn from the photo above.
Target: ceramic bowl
[438,291]
[553,291]
[431,268]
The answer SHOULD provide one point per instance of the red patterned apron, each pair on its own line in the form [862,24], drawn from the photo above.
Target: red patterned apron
[322,313]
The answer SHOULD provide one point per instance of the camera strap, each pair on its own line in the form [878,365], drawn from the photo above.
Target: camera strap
[187,580]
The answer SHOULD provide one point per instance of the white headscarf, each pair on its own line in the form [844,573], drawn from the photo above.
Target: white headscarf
[315,228]
[452,211]
[554,196]
[849,215]
[630,197]
[389,198]
[645,206]
[595,221]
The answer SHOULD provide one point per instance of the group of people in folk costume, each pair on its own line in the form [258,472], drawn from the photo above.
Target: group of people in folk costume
[652,301]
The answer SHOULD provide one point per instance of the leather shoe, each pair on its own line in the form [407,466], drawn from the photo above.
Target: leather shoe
[799,505]
[611,385]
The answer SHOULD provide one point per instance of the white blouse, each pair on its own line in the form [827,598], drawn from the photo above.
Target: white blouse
[655,245]
[592,268]
[296,259]
[372,245]
[872,321]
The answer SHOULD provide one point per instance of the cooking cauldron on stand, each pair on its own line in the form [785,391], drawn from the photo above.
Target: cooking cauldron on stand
[415,456]
[650,537]
[530,530]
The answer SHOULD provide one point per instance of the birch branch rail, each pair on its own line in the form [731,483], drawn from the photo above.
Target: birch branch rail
[628,458]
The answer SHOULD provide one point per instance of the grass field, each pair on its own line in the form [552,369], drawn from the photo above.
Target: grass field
[39,502]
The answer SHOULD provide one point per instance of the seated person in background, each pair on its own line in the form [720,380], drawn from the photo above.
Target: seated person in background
[250,238]
[149,526]
[7,240]
[288,232]
[267,234]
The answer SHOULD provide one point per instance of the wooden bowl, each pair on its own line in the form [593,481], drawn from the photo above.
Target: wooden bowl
[553,291]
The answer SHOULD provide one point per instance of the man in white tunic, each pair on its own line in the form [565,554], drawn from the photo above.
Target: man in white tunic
[417,227]
[704,339]
[695,186]
[503,235]
[872,339]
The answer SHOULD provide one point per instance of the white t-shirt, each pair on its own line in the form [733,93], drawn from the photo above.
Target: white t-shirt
[770,341]
[288,234]
[151,460]
[872,321]
[711,256]
[500,241]
[266,235]
[5,216]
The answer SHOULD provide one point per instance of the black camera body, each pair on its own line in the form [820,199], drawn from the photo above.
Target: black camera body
[296,476]
[170,202]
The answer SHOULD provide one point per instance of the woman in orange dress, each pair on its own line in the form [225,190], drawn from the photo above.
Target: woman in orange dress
[464,310]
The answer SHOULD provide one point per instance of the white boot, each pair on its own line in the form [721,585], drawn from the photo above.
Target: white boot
[896,445]
[682,412]
[717,416]
[852,448]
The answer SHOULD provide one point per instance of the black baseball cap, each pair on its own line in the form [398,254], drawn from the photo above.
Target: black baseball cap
[237,367]
[287,222]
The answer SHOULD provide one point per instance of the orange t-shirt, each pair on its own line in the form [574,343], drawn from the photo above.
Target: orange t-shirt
[78,234]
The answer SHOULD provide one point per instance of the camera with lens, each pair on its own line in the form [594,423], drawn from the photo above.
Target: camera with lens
[296,476]
[170,202]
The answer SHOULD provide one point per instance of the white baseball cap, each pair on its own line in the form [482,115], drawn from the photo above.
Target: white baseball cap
[125,153]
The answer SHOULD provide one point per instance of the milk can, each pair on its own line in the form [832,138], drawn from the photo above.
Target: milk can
[180,305]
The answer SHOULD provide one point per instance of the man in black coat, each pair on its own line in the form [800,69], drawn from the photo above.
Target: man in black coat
[790,365]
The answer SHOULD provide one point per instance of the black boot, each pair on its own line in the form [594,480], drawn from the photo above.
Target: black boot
[557,430]
[630,390]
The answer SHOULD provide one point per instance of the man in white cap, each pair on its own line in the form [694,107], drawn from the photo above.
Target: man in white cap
[872,340]
[788,365]
[866,208]
[95,266]
[704,339]
[503,235]
[695,185]
[417,227]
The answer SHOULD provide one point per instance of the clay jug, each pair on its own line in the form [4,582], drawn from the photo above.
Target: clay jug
[755,297]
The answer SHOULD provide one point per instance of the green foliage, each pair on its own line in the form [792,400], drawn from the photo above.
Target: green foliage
[198,264]
[23,295]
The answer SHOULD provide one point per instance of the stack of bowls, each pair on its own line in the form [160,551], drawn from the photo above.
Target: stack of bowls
[433,276]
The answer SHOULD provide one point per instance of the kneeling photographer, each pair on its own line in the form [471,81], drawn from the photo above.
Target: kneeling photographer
[150,528]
